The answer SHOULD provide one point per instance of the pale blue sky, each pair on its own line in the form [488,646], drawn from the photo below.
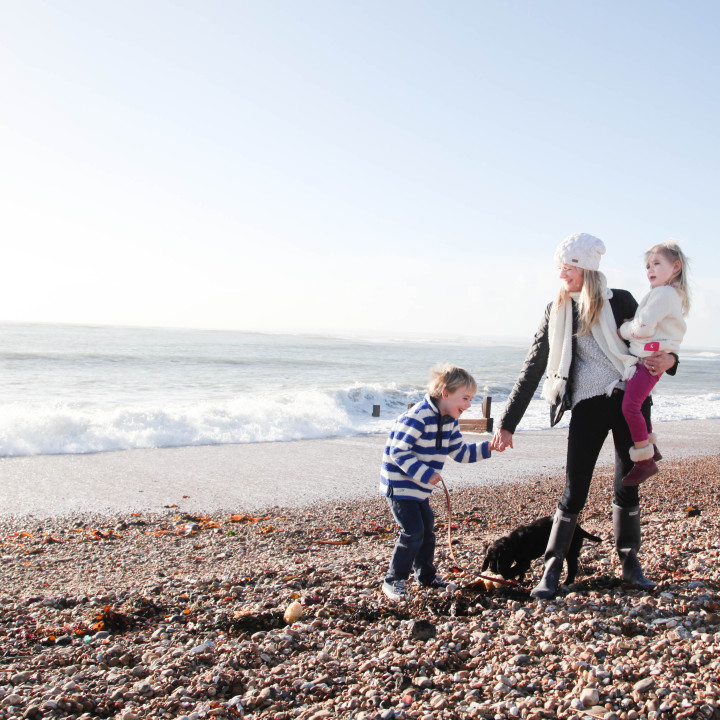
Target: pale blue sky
[339,167]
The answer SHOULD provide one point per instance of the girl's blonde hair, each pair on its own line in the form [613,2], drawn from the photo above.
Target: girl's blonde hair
[671,251]
[451,378]
[590,302]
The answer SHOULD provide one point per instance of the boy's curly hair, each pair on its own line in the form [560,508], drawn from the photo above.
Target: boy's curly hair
[449,377]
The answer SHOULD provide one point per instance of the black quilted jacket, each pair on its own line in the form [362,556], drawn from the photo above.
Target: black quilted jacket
[623,305]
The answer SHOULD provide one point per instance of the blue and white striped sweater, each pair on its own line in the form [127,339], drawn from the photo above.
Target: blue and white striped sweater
[414,452]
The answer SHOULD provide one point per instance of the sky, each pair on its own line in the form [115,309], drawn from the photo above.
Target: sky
[376,168]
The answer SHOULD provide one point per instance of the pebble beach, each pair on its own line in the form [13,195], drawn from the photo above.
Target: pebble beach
[278,613]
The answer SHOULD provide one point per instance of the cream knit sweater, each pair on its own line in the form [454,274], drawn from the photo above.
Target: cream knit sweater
[658,323]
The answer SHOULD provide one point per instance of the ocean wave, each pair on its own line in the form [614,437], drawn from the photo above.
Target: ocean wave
[65,428]
[68,429]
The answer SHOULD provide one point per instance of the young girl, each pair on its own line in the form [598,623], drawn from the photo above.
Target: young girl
[658,325]
[414,456]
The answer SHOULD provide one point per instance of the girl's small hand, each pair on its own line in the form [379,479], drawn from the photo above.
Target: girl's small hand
[435,479]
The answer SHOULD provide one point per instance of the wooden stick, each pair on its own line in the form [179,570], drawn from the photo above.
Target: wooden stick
[500,581]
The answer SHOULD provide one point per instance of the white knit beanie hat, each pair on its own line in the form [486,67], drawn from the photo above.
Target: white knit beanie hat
[581,250]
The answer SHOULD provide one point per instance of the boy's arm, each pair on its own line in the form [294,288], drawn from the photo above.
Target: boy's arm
[463,452]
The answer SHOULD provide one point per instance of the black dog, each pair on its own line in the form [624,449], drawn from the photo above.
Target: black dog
[511,556]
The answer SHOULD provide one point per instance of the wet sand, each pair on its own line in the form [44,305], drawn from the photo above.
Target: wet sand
[241,478]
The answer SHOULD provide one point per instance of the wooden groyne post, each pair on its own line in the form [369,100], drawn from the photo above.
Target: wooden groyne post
[474,425]
[479,425]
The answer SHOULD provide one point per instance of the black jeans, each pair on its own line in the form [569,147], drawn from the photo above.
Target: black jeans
[590,423]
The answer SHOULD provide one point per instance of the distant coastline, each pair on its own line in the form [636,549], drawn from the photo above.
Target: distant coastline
[71,389]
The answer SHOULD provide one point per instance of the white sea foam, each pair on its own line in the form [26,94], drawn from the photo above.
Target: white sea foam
[249,419]
[85,390]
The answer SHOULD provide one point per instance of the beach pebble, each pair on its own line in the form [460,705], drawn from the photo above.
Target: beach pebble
[293,612]
[642,686]
[520,659]
[422,630]
[21,677]
[589,697]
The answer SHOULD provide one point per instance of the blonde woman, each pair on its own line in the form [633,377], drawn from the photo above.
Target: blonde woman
[584,366]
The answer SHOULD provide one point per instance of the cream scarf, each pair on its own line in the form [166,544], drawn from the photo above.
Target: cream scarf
[560,340]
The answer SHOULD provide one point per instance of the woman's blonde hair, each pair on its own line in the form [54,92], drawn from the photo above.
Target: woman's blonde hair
[671,251]
[590,302]
[451,378]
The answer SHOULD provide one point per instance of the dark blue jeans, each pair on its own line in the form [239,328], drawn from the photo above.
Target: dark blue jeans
[415,546]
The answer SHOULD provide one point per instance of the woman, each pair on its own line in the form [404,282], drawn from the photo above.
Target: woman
[585,365]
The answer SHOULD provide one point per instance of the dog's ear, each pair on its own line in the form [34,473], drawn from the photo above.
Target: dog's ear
[505,567]
[486,562]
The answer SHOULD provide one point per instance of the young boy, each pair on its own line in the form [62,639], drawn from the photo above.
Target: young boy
[414,456]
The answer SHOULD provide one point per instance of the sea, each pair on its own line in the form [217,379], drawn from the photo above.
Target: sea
[72,389]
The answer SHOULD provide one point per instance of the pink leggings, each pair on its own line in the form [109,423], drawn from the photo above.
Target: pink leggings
[637,389]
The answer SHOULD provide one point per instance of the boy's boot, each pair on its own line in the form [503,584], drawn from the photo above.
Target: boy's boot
[626,524]
[561,535]
[652,437]
[644,466]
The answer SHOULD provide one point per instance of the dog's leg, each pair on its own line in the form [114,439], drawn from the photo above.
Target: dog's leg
[572,563]
[586,535]
[521,569]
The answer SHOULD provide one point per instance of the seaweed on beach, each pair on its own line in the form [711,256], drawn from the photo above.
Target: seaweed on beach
[142,608]
[370,612]
[251,622]
[113,620]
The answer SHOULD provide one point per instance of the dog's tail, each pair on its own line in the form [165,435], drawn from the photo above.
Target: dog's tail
[588,536]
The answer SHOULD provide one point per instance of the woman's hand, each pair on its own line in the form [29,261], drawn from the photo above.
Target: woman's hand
[501,440]
[659,362]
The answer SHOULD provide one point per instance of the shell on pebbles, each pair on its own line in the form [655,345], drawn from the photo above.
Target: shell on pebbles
[293,612]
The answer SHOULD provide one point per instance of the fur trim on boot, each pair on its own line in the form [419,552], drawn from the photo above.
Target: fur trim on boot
[643,453]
